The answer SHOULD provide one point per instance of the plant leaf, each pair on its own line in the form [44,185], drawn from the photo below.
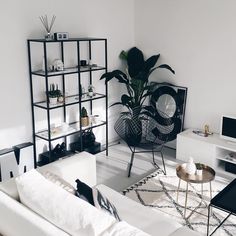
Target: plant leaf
[125,99]
[121,76]
[123,55]
[165,66]
[135,61]
[118,74]
[150,62]
[116,103]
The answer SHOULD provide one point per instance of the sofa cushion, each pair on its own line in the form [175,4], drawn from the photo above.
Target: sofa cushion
[102,203]
[84,192]
[95,198]
[73,215]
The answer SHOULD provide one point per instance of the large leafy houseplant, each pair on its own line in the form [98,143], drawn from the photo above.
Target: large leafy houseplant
[136,80]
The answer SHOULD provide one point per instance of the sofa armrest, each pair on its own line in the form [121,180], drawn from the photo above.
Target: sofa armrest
[81,165]
[140,216]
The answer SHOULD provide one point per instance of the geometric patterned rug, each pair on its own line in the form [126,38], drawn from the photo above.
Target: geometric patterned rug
[159,192]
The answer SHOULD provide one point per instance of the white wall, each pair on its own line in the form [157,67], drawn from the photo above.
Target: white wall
[198,39]
[19,20]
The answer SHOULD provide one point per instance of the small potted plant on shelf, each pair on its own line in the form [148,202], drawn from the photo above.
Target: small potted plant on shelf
[91,91]
[54,93]
[84,117]
[199,168]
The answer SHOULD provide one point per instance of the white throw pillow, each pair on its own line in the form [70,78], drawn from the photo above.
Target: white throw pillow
[68,212]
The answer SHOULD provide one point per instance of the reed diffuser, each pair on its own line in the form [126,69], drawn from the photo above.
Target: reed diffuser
[47,26]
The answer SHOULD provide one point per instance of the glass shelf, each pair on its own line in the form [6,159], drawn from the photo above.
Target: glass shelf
[67,71]
[72,129]
[70,100]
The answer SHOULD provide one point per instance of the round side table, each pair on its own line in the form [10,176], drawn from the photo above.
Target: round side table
[208,174]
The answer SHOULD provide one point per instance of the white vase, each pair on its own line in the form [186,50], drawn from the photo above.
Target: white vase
[190,167]
[198,172]
[90,94]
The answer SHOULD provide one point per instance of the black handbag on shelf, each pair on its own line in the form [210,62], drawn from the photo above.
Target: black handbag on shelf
[88,138]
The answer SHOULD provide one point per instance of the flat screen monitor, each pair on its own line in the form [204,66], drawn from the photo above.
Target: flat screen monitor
[228,128]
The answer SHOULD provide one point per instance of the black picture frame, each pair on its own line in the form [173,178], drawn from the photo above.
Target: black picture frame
[178,94]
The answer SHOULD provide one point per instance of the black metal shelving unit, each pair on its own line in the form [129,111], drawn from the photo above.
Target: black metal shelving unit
[74,127]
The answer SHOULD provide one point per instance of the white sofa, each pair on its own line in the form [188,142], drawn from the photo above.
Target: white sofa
[18,220]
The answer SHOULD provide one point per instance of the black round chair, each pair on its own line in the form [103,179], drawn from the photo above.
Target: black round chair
[145,133]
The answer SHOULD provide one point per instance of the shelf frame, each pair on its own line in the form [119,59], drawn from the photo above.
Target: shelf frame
[45,105]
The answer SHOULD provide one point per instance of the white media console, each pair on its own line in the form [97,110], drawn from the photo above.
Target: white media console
[212,150]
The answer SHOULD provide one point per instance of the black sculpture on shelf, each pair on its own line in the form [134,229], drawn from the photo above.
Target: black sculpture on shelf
[148,134]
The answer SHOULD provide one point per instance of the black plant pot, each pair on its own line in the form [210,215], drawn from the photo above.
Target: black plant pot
[129,127]
[133,131]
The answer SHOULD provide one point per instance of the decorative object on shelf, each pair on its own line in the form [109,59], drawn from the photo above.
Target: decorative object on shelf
[61,36]
[57,65]
[53,94]
[190,167]
[61,98]
[88,141]
[59,149]
[88,138]
[64,127]
[199,168]
[137,85]
[47,26]
[81,91]
[91,91]
[171,100]
[205,133]
[83,63]
[206,129]
[95,119]
[202,133]
[84,117]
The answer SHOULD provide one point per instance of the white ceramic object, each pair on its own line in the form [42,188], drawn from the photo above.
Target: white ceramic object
[90,94]
[190,167]
[198,172]
[58,65]
[53,101]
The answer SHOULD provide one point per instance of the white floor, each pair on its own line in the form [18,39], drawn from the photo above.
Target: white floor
[112,169]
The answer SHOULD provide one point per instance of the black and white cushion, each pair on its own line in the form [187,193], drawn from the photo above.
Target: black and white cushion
[95,198]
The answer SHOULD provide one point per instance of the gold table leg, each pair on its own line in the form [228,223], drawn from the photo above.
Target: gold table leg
[186,199]
[202,191]
[210,191]
[210,209]
[177,198]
